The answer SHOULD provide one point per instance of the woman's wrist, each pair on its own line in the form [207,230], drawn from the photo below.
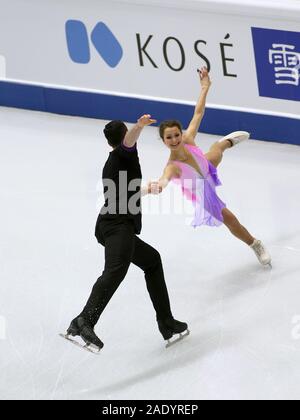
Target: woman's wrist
[144,191]
[205,89]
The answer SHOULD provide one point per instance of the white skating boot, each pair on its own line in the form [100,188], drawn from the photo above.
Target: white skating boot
[236,137]
[261,252]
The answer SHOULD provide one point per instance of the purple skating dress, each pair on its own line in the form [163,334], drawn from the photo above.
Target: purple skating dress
[201,189]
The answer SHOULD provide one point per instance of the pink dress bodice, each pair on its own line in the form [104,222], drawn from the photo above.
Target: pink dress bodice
[201,188]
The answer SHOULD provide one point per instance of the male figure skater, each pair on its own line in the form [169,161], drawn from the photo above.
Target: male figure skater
[119,223]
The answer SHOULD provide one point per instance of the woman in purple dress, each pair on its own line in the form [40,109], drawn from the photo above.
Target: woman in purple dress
[197,175]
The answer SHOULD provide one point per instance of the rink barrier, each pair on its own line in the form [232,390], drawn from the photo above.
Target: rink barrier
[272,128]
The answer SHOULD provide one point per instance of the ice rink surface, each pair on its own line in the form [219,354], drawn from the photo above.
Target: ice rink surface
[244,319]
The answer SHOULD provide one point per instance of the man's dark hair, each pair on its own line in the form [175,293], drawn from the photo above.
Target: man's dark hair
[115,132]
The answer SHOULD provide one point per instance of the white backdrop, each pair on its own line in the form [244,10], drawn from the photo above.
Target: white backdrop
[33,42]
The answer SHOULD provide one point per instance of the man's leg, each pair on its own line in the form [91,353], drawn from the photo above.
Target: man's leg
[149,260]
[119,243]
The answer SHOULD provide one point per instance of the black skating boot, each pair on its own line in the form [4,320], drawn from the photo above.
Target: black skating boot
[79,327]
[170,327]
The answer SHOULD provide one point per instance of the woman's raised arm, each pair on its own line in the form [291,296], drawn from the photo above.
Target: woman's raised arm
[191,132]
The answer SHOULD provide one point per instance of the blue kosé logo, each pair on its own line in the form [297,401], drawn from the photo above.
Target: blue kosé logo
[277,56]
[105,42]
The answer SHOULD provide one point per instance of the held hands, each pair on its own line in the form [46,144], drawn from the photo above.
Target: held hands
[154,188]
[145,120]
[204,78]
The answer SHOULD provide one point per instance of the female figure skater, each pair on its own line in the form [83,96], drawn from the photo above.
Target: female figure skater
[196,172]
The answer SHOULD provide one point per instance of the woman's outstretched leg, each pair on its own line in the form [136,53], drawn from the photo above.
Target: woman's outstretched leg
[242,233]
[236,228]
[215,154]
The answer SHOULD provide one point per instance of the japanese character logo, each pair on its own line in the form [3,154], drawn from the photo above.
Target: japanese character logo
[277,57]
[287,64]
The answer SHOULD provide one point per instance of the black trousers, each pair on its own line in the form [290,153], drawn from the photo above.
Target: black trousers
[123,247]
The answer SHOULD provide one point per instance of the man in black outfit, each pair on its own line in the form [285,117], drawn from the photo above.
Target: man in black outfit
[118,224]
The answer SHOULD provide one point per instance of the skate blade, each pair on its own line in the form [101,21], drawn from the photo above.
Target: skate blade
[171,342]
[88,347]
[268,265]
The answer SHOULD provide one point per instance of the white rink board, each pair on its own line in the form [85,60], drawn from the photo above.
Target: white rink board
[37,53]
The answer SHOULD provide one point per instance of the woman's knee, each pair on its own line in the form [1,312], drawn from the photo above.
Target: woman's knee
[214,157]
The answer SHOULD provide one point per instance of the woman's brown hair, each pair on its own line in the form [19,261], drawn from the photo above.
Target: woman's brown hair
[168,124]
